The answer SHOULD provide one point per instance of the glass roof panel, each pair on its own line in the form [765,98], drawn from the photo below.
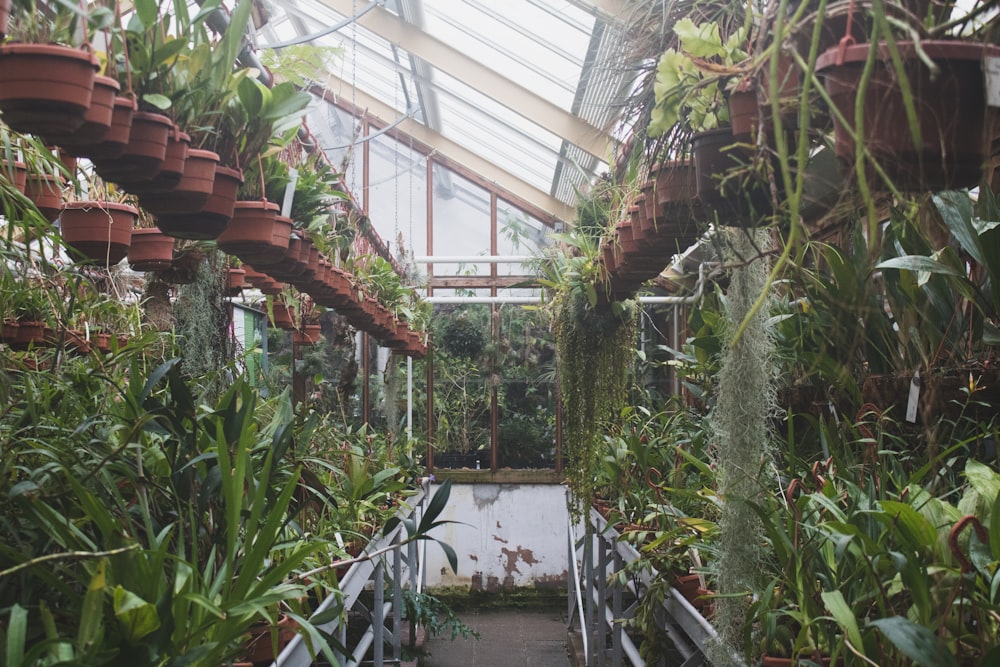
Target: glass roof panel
[552,49]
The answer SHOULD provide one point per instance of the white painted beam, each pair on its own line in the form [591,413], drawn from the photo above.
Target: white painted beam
[499,88]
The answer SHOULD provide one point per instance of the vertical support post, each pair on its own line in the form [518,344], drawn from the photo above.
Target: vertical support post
[409,398]
[365,371]
[616,610]
[378,617]
[588,578]
[397,601]
[602,601]
[571,581]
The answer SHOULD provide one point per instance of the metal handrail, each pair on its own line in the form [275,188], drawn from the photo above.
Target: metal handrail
[386,552]
[602,553]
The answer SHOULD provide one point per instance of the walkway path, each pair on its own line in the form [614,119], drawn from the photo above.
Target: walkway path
[509,637]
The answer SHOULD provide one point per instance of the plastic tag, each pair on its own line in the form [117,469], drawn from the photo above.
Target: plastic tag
[992,71]
[911,403]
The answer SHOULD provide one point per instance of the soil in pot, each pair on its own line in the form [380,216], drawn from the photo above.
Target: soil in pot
[45,87]
[950,110]
[99,231]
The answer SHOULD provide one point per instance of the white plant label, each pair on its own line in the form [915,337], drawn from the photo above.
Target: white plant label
[911,403]
[992,70]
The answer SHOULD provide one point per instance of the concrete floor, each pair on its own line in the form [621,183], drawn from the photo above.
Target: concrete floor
[508,637]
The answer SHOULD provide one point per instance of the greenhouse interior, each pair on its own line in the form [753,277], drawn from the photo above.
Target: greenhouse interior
[332,329]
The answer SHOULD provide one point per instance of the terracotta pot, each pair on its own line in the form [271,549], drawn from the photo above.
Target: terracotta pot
[8,331]
[96,120]
[115,139]
[213,218]
[151,250]
[15,173]
[740,200]
[950,108]
[281,318]
[252,276]
[251,232]
[308,335]
[745,110]
[143,156]
[192,191]
[29,333]
[4,17]
[171,169]
[45,190]
[288,267]
[101,342]
[234,281]
[100,231]
[45,87]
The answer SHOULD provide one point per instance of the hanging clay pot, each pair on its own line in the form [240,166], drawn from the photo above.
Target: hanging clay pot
[250,232]
[724,182]
[950,106]
[171,169]
[115,139]
[14,173]
[4,17]
[307,335]
[143,156]
[210,221]
[235,281]
[151,250]
[281,318]
[100,231]
[45,190]
[97,119]
[45,87]
[191,192]
[30,333]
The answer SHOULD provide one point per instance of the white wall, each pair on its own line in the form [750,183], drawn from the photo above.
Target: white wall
[509,535]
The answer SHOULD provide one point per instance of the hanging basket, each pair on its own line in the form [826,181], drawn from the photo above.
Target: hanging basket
[192,191]
[309,334]
[15,173]
[150,250]
[251,231]
[45,190]
[115,139]
[45,88]
[171,169]
[235,281]
[97,119]
[725,185]
[213,218]
[950,109]
[143,156]
[100,231]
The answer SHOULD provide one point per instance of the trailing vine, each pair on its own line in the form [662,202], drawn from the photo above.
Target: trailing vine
[594,348]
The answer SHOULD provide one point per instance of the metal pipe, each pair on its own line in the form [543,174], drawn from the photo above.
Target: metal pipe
[409,398]
[576,586]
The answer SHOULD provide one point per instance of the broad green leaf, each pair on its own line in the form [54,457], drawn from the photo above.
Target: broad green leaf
[995,528]
[17,628]
[159,101]
[702,40]
[842,613]
[919,263]
[916,642]
[92,613]
[146,10]
[917,530]
[137,617]
[983,479]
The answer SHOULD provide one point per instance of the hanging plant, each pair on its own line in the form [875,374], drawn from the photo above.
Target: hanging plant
[594,348]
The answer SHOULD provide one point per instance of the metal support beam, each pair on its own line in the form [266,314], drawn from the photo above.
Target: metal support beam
[608,10]
[515,97]
[341,91]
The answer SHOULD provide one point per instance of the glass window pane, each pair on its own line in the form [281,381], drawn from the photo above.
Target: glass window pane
[527,393]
